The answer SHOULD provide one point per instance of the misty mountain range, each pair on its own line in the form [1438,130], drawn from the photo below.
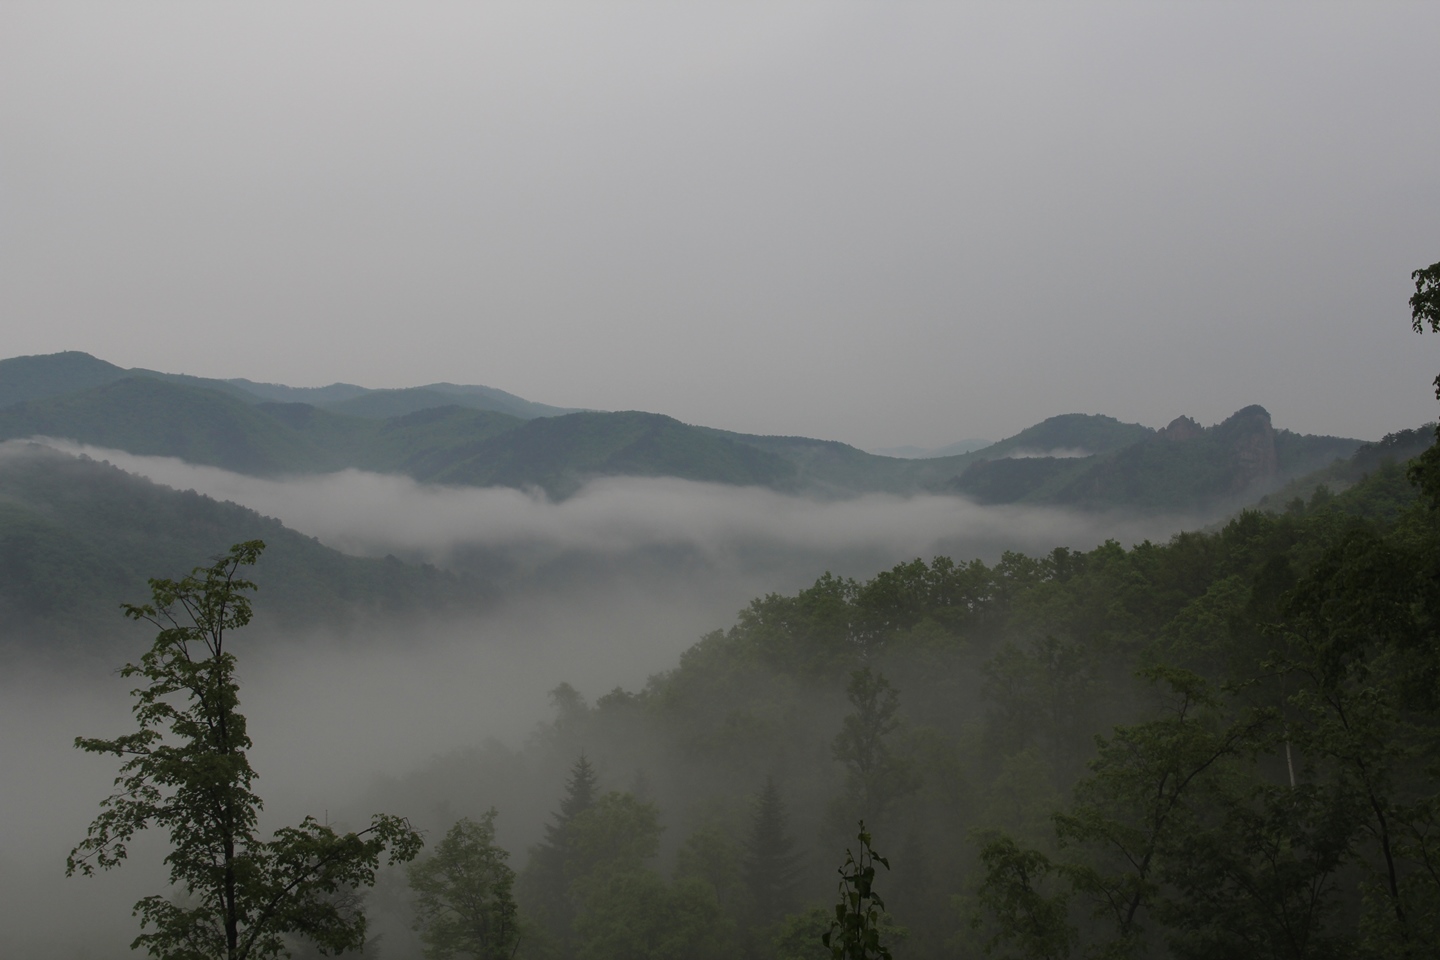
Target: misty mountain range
[480,436]
[78,536]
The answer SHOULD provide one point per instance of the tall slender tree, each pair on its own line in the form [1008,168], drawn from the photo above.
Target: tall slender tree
[544,887]
[185,770]
[876,775]
[772,864]
[580,793]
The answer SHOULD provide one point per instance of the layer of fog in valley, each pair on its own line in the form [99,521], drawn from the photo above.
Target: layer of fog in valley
[769,540]
[607,588]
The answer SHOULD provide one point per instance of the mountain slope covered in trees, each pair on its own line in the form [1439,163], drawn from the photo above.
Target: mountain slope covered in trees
[1217,746]
[79,537]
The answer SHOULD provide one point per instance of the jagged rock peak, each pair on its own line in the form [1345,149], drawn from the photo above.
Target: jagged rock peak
[1254,415]
[1181,428]
[1251,438]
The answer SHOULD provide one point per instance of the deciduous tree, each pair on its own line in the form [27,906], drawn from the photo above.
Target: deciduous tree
[185,771]
[876,775]
[464,906]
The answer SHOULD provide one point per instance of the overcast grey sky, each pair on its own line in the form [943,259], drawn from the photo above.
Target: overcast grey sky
[881,223]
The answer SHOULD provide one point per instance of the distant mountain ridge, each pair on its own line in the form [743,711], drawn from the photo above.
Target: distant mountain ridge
[1184,464]
[51,375]
[438,434]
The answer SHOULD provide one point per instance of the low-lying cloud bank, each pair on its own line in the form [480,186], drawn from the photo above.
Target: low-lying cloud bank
[374,514]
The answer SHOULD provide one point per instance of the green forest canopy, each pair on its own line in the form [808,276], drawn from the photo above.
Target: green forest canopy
[1218,746]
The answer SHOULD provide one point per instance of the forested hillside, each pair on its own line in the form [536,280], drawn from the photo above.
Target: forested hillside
[78,538]
[1217,746]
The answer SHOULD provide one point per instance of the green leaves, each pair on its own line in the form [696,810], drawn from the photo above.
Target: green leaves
[1025,916]
[854,934]
[875,776]
[186,771]
[1425,302]
[464,905]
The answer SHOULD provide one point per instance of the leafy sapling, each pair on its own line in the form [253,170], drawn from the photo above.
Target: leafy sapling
[854,934]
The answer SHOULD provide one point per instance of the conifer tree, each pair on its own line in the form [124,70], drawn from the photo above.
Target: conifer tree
[580,790]
[771,861]
[544,888]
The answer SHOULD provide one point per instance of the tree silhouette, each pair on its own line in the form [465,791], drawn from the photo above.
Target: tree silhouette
[186,770]
[771,861]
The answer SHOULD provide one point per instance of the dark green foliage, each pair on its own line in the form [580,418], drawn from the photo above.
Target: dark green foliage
[1142,800]
[1291,814]
[875,775]
[1425,312]
[1359,650]
[1425,304]
[463,905]
[186,771]
[1024,916]
[1180,831]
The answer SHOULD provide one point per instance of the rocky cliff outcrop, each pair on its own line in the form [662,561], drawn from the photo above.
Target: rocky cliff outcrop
[1249,440]
[1180,429]
[1182,467]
